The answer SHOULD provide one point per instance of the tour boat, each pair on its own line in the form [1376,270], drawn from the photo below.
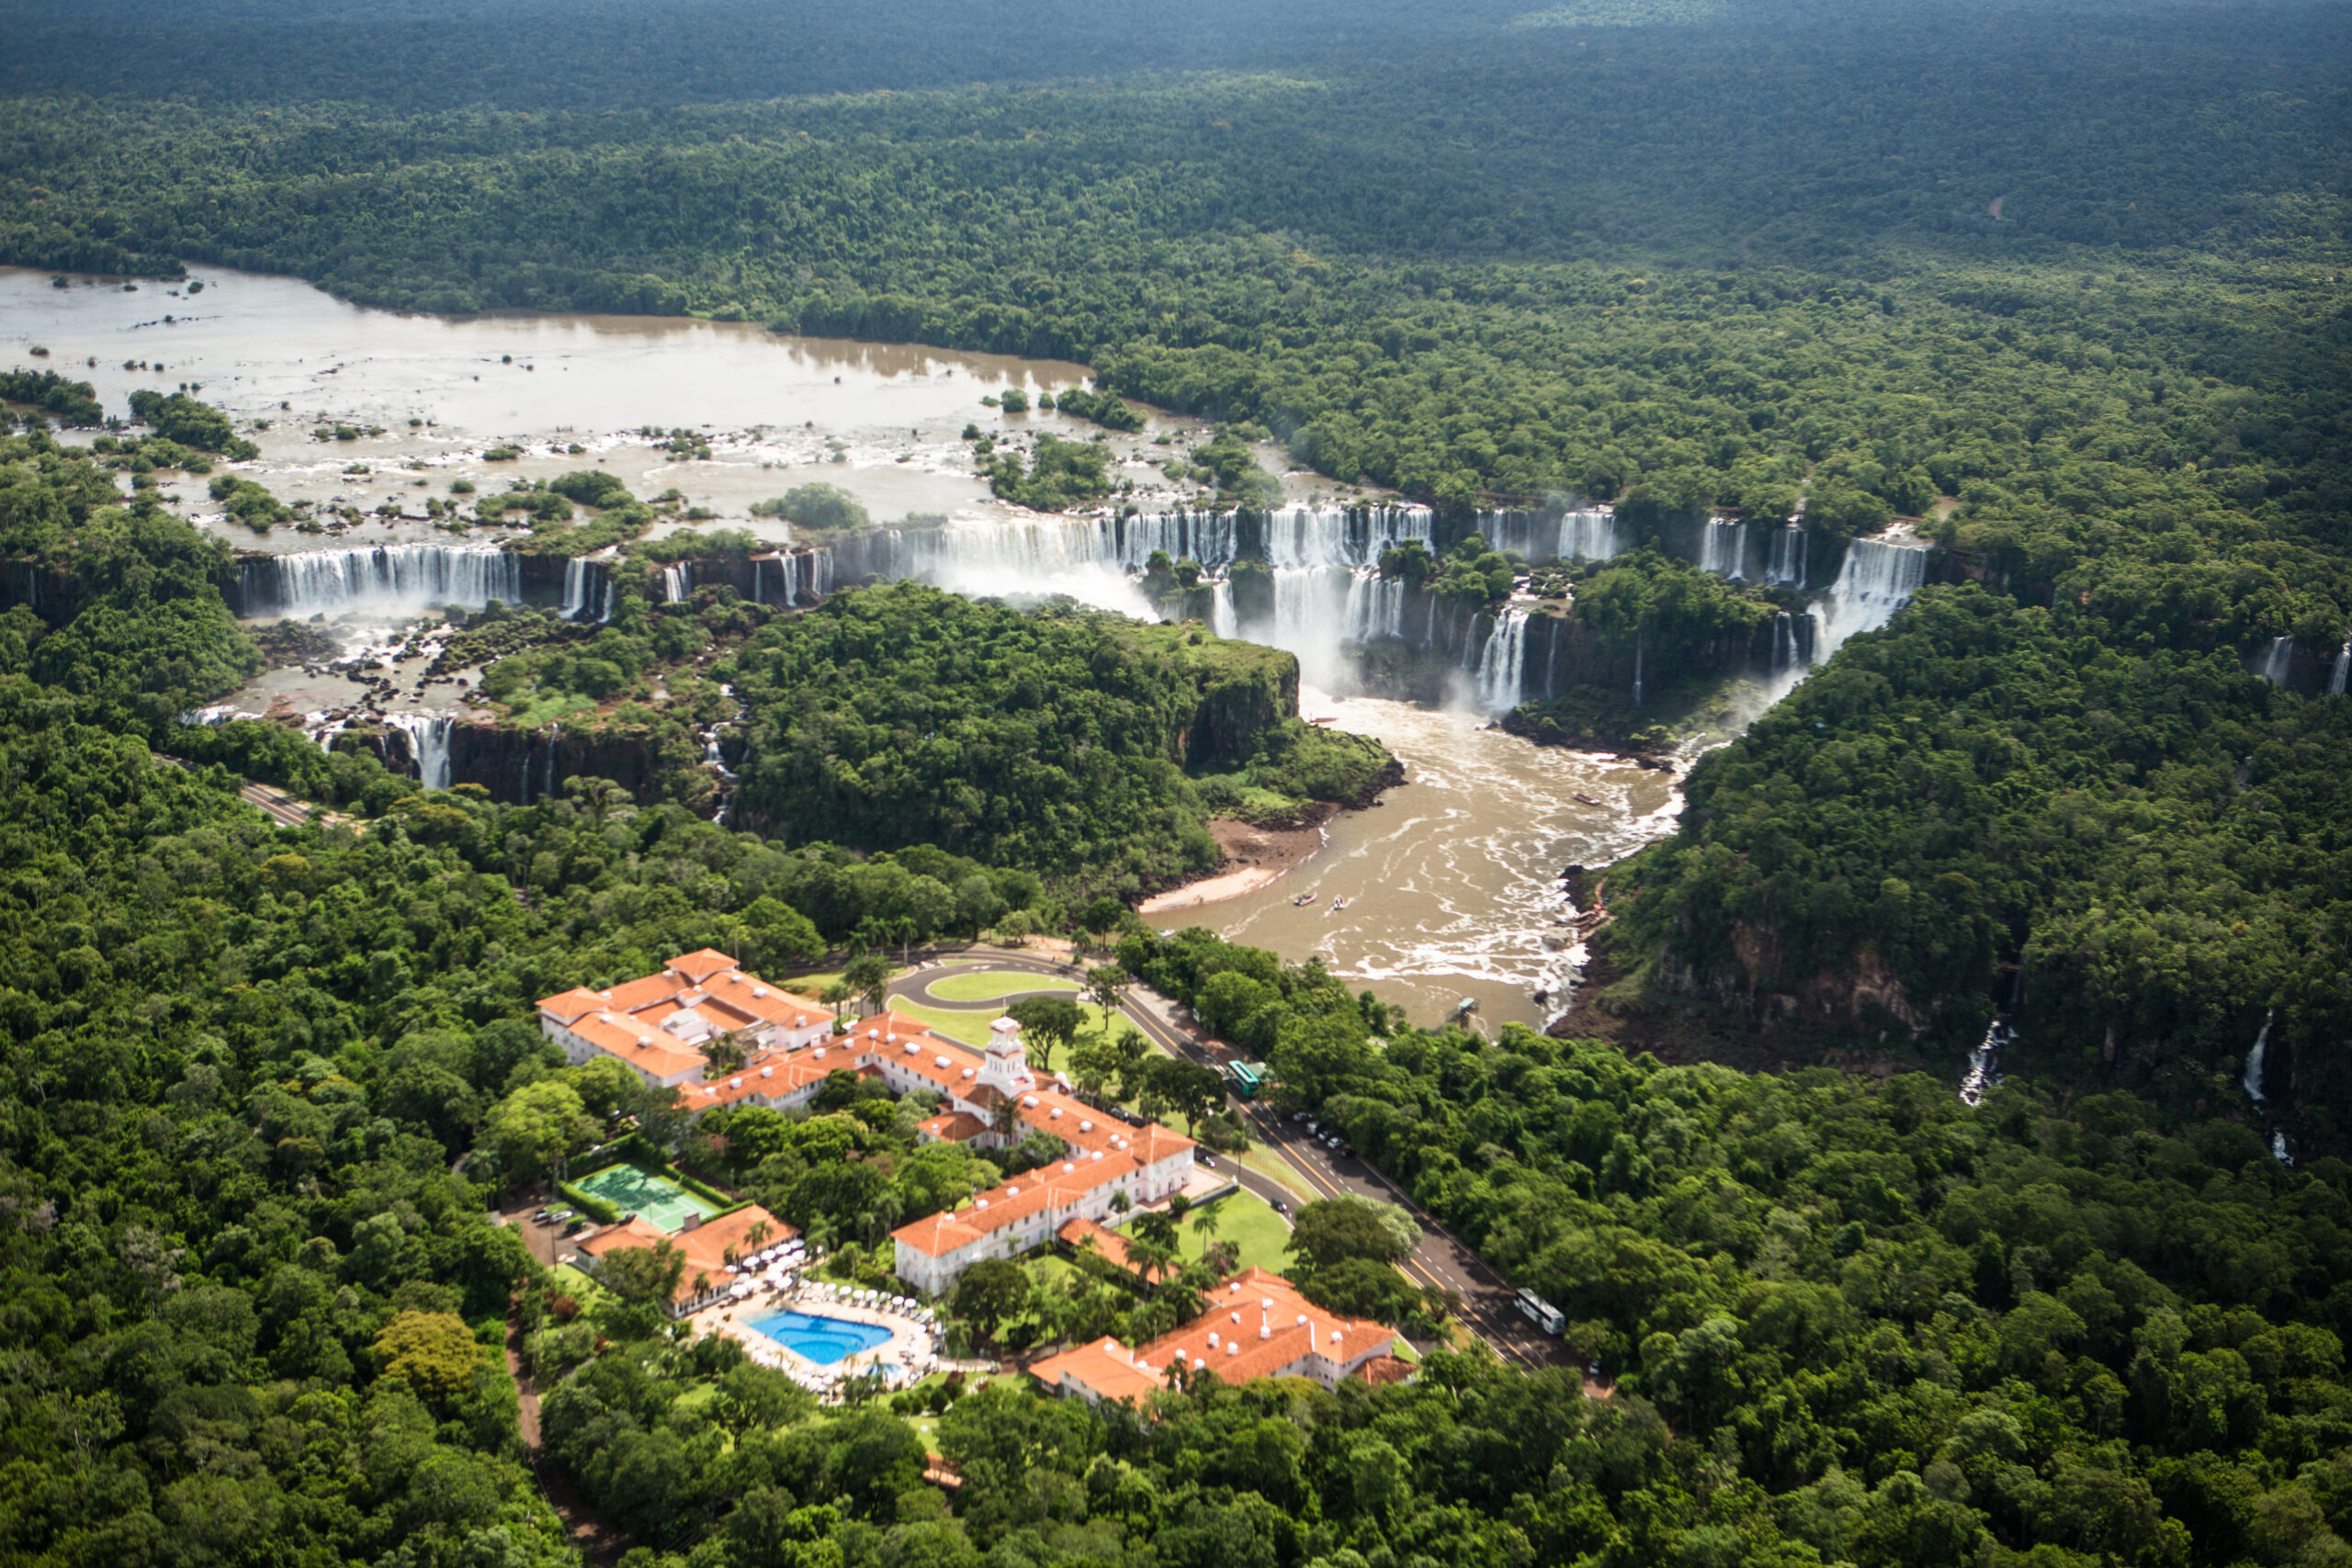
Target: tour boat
[1304,899]
[1580,795]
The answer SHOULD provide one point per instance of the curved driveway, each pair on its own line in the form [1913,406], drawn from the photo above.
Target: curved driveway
[1489,1307]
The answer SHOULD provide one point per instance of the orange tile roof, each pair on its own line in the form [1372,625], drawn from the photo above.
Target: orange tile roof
[704,1248]
[1109,1243]
[701,964]
[952,1127]
[1107,1369]
[566,1006]
[942,1232]
[636,996]
[641,1044]
[754,998]
[1261,1312]
[1386,1369]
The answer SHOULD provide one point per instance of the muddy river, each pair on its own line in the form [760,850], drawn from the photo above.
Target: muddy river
[1451,884]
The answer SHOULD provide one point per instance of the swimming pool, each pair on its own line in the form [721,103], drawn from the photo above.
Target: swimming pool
[823,1341]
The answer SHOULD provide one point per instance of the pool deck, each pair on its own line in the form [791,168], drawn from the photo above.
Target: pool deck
[909,1346]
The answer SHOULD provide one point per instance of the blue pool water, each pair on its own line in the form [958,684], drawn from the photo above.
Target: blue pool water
[823,1341]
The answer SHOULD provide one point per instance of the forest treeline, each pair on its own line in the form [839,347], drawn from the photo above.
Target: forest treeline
[250,1313]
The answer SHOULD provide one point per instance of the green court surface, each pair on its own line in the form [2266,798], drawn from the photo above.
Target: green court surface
[989,985]
[660,1202]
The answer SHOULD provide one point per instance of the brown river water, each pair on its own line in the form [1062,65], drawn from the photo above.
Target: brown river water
[1451,884]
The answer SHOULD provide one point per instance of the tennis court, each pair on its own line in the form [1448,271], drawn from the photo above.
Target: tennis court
[662,1201]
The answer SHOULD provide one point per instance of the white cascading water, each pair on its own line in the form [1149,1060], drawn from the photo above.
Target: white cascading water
[585,585]
[1375,611]
[1502,666]
[1723,549]
[428,740]
[2281,659]
[1588,535]
[1221,617]
[1333,536]
[1788,652]
[2343,668]
[1984,1064]
[1786,568]
[678,582]
[311,582]
[2251,1081]
[1877,579]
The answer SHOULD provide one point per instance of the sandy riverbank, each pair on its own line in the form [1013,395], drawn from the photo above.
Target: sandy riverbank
[1253,857]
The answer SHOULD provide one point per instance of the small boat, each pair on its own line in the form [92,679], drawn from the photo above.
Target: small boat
[1304,899]
[1580,795]
[1327,718]
[1338,904]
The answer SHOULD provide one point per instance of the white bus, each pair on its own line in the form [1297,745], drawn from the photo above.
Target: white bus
[1542,1314]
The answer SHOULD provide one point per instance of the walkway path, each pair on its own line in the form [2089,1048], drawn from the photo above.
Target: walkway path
[594,1539]
[1489,1306]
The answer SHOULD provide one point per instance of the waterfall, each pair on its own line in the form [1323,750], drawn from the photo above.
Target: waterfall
[1349,536]
[2343,668]
[587,585]
[1502,668]
[677,582]
[1786,568]
[1552,665]
[1376,608]
[1723,549]
[1784,642]
[428,740]
[1221,616]
[1637,670]
[1877,579]
[2279,1150]
[2253,1080]
[2280,660]
[310,582]
[325,733]
[1985,1063]
[1588,536]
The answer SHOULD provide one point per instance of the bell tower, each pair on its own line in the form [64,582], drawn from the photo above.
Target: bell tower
[1007,1067]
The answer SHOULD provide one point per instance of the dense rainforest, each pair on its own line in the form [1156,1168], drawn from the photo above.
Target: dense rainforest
[2062,285]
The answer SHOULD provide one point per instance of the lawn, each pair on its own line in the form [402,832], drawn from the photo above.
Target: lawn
[1246,1221]
[1271,1167]
[994,984]
[971,1028]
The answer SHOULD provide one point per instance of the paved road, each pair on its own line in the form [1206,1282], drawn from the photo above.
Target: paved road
[1488,1304]
[280,805]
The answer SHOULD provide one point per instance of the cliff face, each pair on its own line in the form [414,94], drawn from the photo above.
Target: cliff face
[53,594]
[1238,705]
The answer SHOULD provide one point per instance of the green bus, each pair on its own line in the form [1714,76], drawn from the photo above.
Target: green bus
[1247,1079]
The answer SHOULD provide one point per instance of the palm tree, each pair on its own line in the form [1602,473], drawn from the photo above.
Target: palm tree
[834,996]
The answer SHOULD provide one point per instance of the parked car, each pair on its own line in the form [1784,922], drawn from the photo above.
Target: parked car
[1349,1150]
[1207,1163]
[1280,1207]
